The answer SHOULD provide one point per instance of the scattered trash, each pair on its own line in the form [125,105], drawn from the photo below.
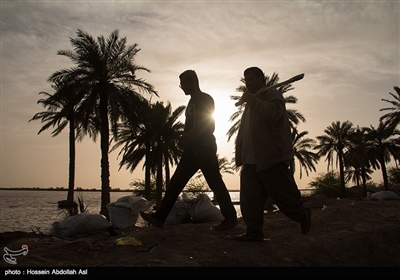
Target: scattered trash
[152,249]
[128,240]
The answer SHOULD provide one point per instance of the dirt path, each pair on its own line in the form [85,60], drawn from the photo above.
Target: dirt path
[347,233]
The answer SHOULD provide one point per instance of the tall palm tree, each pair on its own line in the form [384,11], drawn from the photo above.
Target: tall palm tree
[109,88]
[385,142]
[302,148]
[335,140]
[165,149]
[172,130]
[155,140]
[135,137]
[359,158]
[60,112]
[356,175]
[392,119]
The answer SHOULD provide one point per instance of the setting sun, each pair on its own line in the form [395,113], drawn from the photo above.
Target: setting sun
[224,108]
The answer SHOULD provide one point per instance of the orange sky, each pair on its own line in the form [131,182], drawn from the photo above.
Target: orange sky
[348,50]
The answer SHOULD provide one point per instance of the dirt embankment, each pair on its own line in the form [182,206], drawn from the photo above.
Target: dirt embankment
[353,232]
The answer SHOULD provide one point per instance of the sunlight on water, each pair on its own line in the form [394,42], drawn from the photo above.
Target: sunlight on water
[32,210]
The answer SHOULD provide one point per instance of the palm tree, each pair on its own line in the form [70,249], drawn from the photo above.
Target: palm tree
[302,152]
[294,115]
[224,165]
[236,116]
[385,142]
[60,113]
[165,148]
[137,136]
[392,119]
[335,140]
[136,140]
[155,140]
[359,158]
[109,88]
[355,174]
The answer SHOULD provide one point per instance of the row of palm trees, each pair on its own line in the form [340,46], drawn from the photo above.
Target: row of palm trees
[96,97]
[153,140]
[356,151]
[102,95]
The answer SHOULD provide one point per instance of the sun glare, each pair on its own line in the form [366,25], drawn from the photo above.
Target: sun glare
[224,108]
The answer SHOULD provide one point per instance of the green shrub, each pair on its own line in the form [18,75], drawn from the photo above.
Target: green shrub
[197,185]
[394,176]
[327,184]
[139,188]
[373,187]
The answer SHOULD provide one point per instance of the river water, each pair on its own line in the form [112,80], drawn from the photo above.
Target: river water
[29,210]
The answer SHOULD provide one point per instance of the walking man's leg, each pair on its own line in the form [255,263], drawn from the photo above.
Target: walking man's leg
[252,200]
[208,163]
[184,171]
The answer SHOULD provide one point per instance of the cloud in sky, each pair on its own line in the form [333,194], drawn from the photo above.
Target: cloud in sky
[348,50]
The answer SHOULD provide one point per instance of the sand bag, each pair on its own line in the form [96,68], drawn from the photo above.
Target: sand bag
[383,195]
[179,213]
[202,210]
[81,223]
[125,211]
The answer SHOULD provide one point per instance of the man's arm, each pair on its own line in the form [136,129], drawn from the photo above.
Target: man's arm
[201,126]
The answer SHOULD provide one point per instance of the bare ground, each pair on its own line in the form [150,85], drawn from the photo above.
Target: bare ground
[345,233]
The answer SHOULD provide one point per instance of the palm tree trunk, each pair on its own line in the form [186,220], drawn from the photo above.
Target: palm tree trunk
[341,169]
[357,178]
[364,180]
[71,180]
[104,145]
[384,174]
[147,187]
[167,173]
[159,186]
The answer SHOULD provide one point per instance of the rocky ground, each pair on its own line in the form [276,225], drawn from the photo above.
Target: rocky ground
[346,233]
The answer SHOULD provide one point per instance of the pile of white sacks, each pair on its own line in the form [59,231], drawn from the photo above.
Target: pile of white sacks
[124,213]
[198,209]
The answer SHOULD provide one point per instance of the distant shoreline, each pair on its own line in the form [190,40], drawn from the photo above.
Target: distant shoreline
[65,189]
[59,189]
[304,192]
